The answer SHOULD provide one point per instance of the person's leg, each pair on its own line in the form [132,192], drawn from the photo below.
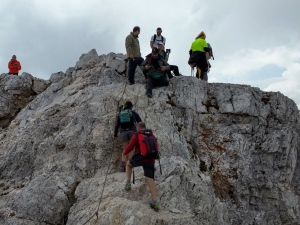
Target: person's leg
[149,86]
[198,74]
[205,76]
[174,69]
[161,82]
[131,71]
[168,72]
[128,171]
[152,187]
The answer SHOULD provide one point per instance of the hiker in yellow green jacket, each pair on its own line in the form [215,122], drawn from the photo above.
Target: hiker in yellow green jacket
[198,56]
[133,52]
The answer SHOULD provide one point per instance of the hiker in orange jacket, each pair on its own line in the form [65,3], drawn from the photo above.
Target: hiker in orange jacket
[14,66]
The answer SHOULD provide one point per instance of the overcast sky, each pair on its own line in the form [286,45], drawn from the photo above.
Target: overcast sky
[255,42]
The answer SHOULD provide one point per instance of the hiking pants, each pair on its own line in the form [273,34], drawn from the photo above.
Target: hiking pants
[174,69]
[203,75]
[151,82]
[132,67]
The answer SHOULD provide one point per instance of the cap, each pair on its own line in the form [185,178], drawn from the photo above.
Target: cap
[155,50]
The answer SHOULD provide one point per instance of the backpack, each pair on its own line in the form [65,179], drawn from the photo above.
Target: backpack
[210,52]
[162,39]
[126,118]
[148,144]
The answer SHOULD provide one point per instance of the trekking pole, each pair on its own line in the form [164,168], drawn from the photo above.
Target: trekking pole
[159,166]
[133,175]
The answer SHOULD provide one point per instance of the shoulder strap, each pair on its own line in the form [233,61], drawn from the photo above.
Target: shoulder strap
[154,38]
[162,39]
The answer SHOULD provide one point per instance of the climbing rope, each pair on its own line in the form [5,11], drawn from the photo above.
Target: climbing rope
[108,167]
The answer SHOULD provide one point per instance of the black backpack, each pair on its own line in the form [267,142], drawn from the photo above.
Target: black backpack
[162,39]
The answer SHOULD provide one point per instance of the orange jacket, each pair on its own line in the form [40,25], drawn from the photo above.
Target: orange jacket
[13,69]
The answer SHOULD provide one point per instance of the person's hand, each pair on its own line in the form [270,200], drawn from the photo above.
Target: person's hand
[147,67]
[132,57]
[163,68]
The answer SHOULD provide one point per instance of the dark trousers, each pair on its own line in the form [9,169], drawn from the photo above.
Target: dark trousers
[151,82]
[174,69]
[13,73]
[132,67]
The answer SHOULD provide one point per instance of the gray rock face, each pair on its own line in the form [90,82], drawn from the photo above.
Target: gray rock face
[230,153]
[16,92]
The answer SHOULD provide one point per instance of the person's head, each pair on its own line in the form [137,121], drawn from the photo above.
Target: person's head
[201,35]
[141,126]
[158,31]
[128,105]
[14,58]
[160,46]
[136,31]
[155,52]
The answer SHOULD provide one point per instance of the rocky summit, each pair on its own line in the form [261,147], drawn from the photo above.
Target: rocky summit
[230,153]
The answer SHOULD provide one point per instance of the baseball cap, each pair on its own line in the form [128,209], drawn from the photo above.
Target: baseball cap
[155,50]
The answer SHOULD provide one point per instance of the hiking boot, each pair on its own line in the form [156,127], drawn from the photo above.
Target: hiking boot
[127,187]
[154,206]
[149,95]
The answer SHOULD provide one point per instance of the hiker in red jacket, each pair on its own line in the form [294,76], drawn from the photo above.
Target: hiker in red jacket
[14,66]
[139,159]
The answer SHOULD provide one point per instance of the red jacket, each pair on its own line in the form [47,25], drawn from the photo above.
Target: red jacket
[11,67]
[134,142]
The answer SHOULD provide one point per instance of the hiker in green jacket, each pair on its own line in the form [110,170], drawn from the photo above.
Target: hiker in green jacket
[198,55]
[133,52]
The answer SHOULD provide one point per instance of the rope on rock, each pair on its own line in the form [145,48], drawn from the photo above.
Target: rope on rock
[108,167]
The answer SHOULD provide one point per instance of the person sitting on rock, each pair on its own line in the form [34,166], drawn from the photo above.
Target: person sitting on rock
[198,56]
[14,66]
[138,160]
[155,66]
[165,56]
[126,120]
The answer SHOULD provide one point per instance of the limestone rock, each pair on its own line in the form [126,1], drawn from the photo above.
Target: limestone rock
[230,153]
[16,92]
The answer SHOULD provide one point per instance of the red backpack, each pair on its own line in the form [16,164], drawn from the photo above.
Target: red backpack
[148,144]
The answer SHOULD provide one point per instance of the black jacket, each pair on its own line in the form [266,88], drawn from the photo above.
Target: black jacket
[152,70]
[136,119]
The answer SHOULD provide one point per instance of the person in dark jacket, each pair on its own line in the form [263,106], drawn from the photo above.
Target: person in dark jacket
[126,130]
[155,66]
[165,56]
[138,160]
[198,55]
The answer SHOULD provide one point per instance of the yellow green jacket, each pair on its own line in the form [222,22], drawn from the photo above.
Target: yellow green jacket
[198,45]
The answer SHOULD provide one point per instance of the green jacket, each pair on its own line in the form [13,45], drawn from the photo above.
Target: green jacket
[198,45]
[132,45]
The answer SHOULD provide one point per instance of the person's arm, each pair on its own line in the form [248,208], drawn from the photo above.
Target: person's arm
[143,65]
[165,66]
[10,66]
[19,66]
[133,142]
[117,125]
[128,45]
[137,117]
[151,42]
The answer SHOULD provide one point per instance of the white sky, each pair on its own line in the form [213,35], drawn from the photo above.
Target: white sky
[255,42]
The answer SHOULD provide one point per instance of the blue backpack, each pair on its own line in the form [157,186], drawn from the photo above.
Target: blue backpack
[126,118]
